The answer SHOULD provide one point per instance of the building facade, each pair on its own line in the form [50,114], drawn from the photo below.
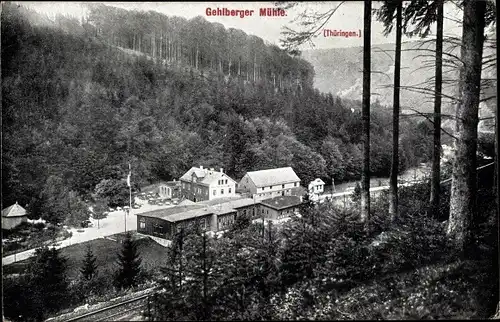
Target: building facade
[200,184]
[279,208]
[265,184]
[315,189]
[170,189]
[165,223]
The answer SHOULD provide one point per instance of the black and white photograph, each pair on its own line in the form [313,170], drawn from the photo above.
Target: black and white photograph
[269,161]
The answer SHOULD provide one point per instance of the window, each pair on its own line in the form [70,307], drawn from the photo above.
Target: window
[270,187]
[262,188]
[282,186]
[157,229]
[203,223]
[226,181]
[221,191]
[143,223]
[215,192]
[229,190]
[295,184]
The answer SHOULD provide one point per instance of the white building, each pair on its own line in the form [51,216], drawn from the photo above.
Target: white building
[265,184]
[316,187]
[206,184]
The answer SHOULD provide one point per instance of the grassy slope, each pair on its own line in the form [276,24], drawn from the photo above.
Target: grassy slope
[106,252]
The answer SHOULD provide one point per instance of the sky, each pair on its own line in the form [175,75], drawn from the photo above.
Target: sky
[348,17]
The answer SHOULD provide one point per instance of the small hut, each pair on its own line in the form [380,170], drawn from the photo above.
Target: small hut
[13,216]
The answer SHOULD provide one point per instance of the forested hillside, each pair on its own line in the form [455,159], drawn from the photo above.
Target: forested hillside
[338,70]
[77,108]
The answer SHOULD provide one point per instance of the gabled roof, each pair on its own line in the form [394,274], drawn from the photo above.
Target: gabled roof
[218,201]
[270,177]
[165,213]
[173,184]
[316,182]
[219,209]
[282,202]
[14,211]
[186,202]
[180,213]
[204,176]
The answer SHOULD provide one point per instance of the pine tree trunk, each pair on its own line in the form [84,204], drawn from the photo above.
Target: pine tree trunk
[436,152]
[254,67]
[365,174]
[180,52]
[161,46]
[497,184]
[393,191]
[196,58]
[464,186]
[181,271]
[153,46]
[205,277]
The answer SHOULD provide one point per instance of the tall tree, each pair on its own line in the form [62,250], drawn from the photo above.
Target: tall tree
[130,264]
[497,181]
[386,14]
[170,301]
[436,151]
[464,186]
[89,266]
[49,282]
[365,113]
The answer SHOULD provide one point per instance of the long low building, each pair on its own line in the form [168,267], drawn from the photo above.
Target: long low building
[164,223]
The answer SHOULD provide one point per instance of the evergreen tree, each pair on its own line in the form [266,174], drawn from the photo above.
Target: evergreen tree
[130,264]
[48,282]
[464,177]
[89,266]
[168,302]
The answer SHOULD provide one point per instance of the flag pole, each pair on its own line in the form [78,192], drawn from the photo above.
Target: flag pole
[126,211]
[130,187]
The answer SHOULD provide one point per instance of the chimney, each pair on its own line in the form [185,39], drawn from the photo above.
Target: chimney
[221,170]
[201,167]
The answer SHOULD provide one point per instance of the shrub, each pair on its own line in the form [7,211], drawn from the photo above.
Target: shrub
[100,285]
[39,225]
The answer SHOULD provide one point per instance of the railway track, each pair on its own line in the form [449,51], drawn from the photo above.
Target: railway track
[115,311]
